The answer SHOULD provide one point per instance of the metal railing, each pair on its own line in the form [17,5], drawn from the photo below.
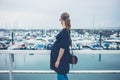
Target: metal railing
[12,52]
[52,72]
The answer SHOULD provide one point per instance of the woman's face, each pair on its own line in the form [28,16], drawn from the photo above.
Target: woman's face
[62,22]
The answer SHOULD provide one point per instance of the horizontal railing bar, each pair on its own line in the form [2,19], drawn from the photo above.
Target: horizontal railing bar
[52,72]
[48,51]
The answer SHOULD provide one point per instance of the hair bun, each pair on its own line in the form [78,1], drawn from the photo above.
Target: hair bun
[64,16]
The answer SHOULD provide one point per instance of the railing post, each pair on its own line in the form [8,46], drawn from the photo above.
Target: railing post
[99,57]
[10,66]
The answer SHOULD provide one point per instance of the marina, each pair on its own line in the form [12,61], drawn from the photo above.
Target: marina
[44,39]
[26,53]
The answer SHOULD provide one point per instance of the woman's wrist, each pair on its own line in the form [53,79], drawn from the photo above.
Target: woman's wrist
[58,60]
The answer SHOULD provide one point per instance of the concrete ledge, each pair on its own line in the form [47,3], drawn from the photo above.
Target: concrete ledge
[48,51]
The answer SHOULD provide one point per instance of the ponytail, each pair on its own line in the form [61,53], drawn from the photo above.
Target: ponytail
[67,23]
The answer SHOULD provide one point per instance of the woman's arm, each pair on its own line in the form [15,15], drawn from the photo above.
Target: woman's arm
[61,52]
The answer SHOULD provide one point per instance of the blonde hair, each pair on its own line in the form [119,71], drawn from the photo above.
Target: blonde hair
[65,16]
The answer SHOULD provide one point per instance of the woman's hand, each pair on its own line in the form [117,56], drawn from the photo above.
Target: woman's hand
[57,63]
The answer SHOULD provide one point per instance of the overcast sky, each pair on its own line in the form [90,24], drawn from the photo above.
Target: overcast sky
[45,14]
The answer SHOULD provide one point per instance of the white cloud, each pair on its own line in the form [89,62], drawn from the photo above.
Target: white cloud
[45,13]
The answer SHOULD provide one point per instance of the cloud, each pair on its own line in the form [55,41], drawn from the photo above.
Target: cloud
[45,13]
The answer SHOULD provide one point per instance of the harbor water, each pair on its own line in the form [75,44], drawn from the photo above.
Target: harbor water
[42,62]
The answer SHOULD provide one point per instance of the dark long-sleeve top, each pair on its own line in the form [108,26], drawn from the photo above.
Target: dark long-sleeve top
[62,41]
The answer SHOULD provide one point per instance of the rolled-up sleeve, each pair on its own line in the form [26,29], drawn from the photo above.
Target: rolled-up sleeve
[64,39]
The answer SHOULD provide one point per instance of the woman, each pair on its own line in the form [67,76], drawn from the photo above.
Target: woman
[59,58]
